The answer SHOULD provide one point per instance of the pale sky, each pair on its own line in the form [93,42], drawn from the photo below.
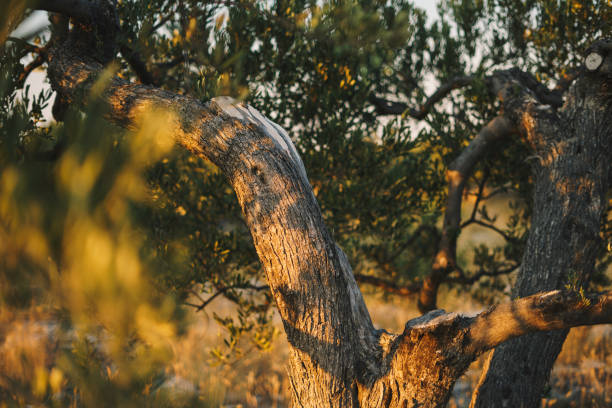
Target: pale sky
[429,6]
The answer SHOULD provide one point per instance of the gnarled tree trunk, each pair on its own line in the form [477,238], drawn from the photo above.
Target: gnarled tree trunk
[571,163]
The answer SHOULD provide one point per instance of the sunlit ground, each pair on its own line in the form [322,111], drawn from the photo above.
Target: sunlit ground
[582,376]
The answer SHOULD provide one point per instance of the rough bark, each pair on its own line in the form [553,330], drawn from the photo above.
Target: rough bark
[572,160]
[337,357]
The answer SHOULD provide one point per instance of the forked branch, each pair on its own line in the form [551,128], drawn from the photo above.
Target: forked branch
[221,291]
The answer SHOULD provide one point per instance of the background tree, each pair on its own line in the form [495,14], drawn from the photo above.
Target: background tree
[326,73]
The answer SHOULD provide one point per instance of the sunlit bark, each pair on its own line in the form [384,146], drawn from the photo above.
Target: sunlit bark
[571,162]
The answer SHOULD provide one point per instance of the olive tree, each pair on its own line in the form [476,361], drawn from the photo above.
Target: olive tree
[337,357]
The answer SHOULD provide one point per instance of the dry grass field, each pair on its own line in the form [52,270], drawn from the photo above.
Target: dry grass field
[582,376]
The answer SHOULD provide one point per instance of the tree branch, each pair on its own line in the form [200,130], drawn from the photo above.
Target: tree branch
[469,280]
[40,59]
[221,291]
[385,107]
[138,65]
[96,25]
[84,10]
[479,197]
[26,45]
[324,315]
[458,173]
[491,227]
[544,95]
[540,312]
[162,21]
[414,288]
[389,286]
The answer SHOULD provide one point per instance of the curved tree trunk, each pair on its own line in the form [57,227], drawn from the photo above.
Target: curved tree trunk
[571,166]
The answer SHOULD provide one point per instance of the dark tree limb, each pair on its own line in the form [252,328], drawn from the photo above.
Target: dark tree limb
[39,60]
[221,291]
[101,16]
[462,279]
[501,79]
[480,195]
[487,225]
[26,45]
[138,65]
[385,107]
[83,10]
[388,285]
[414,288]
[546,96]
[161,22]
[458,173]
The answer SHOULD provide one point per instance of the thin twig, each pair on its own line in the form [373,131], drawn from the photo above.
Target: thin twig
[389,286]
[26,45]
[479,197]
[221,291]
[463,279]
[492,228]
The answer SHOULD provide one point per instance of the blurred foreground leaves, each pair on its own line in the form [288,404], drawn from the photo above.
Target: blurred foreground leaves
[74,264]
